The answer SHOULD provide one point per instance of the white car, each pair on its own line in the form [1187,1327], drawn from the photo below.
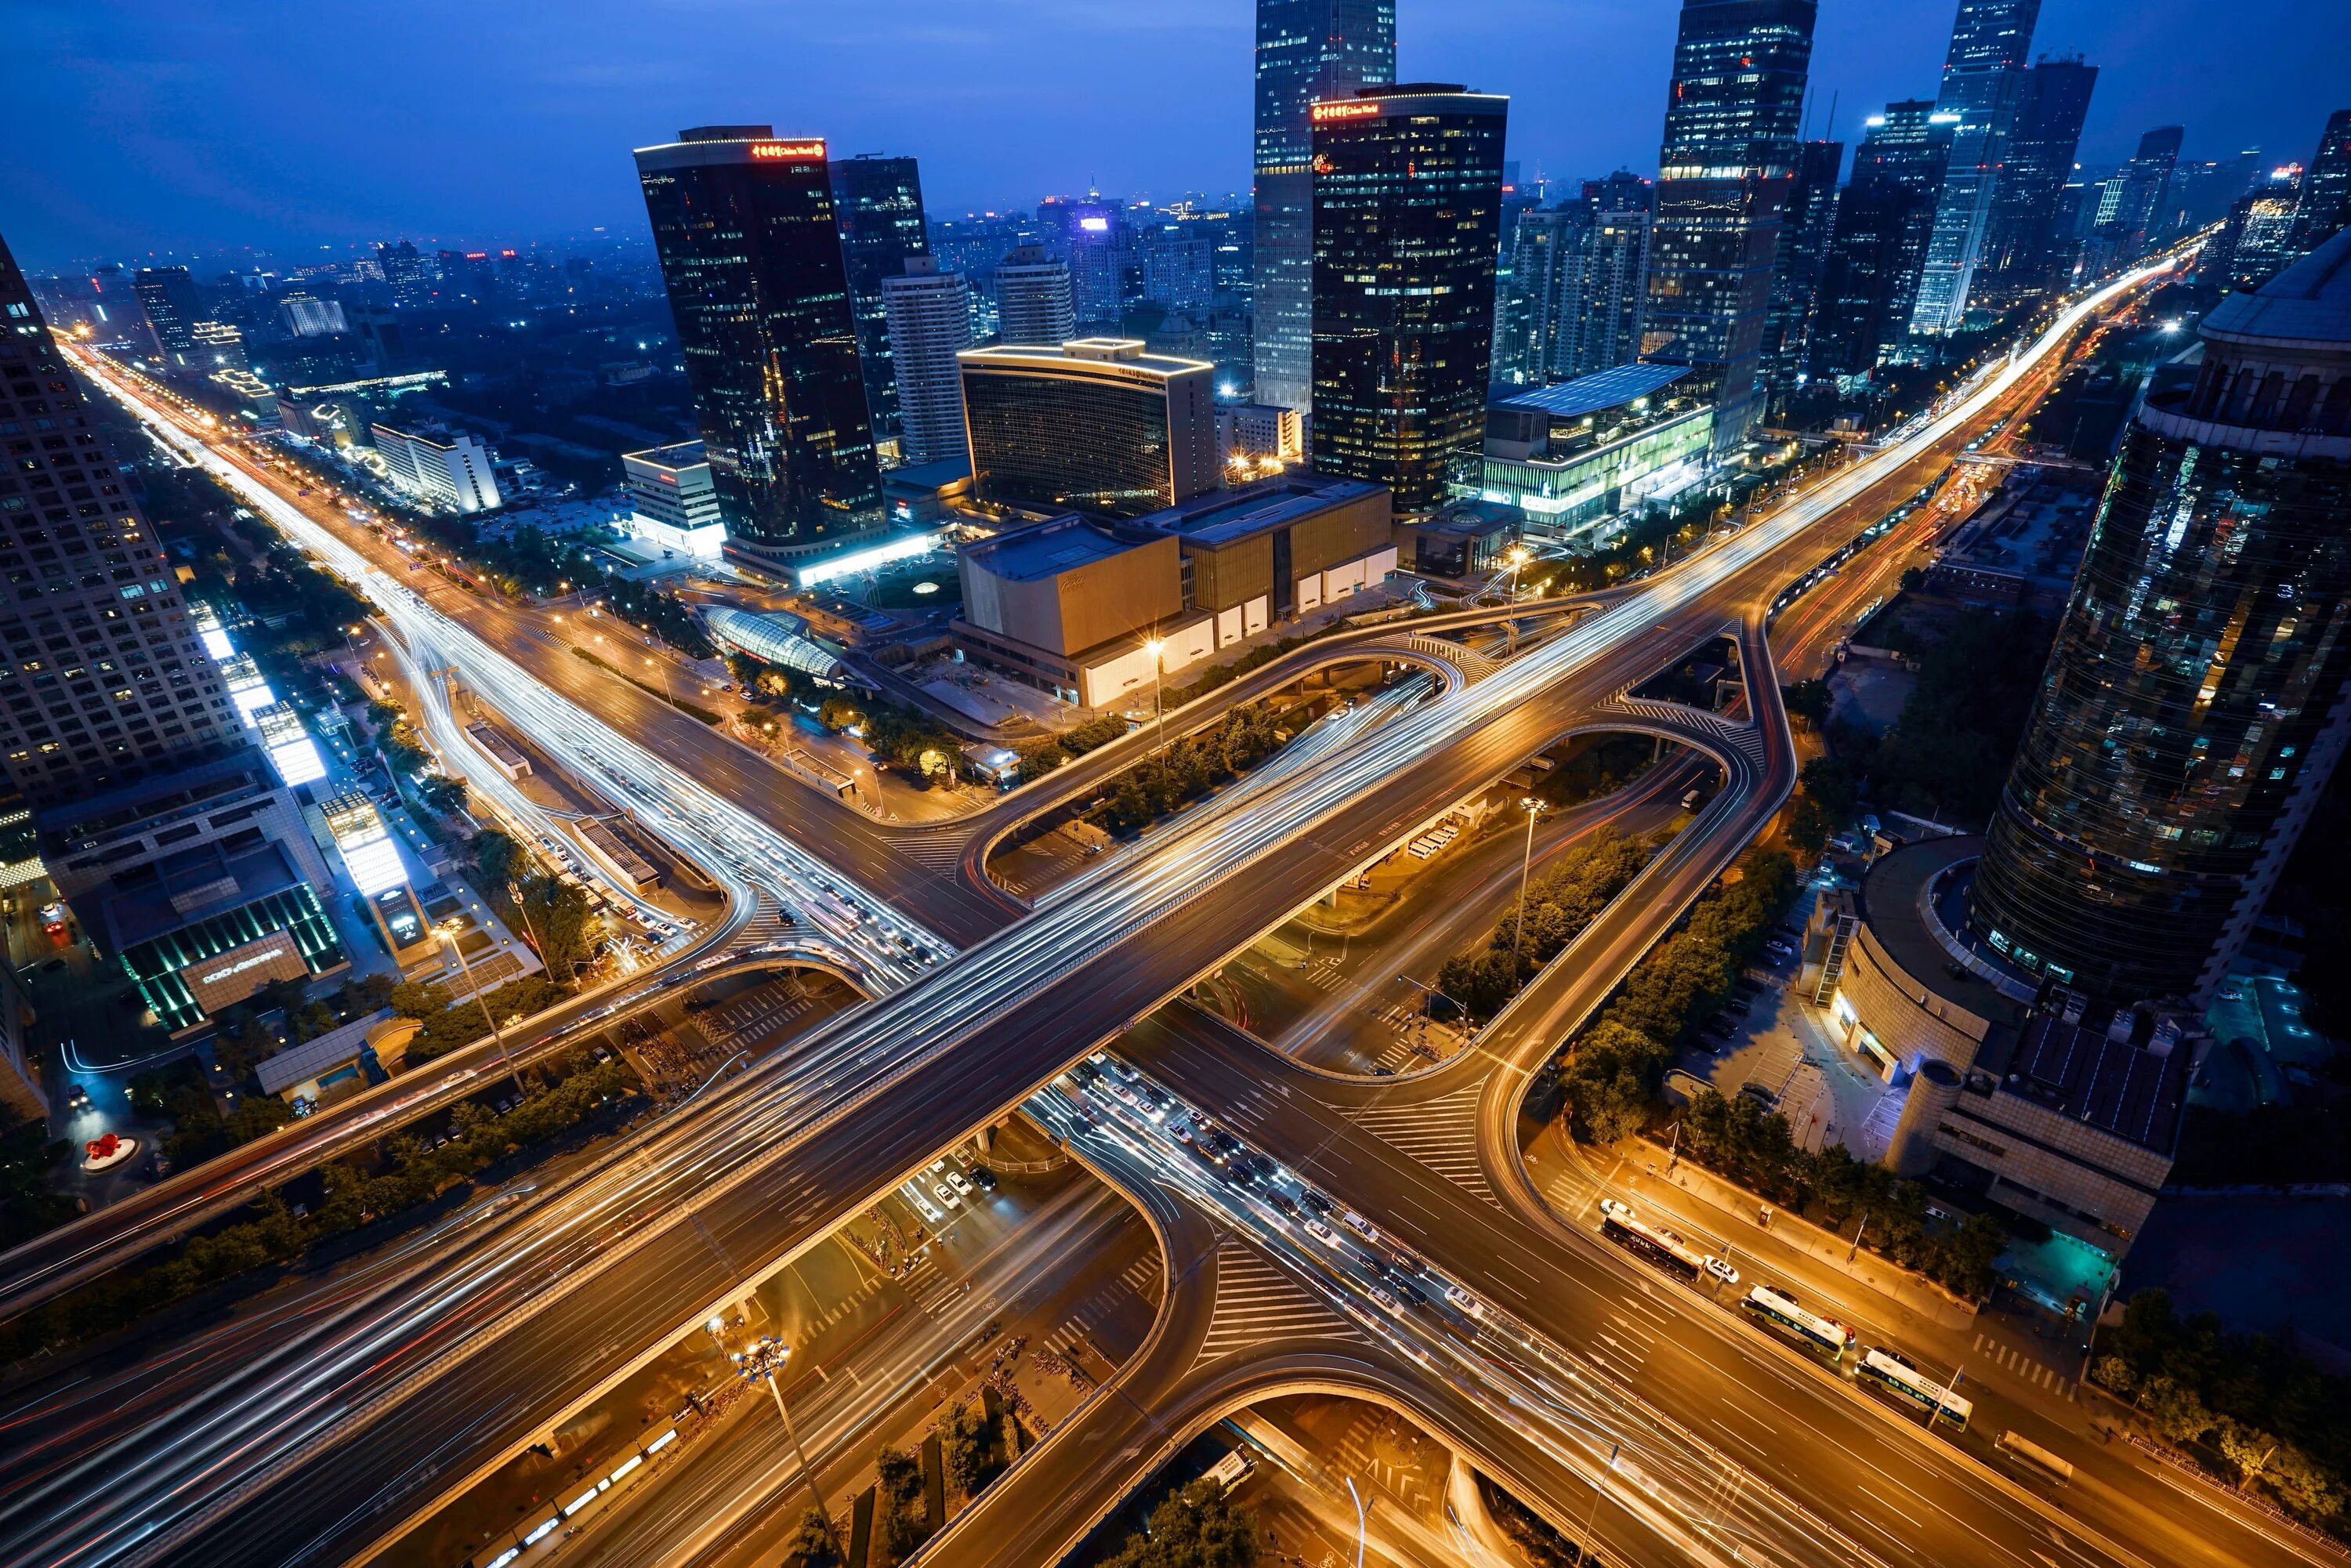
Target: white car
[1613,1209]
[1360,1227]
[1721,1270]
[956,1179]
[923,1205]
[1322,1233]
[1388,1304]
[946,1194]
[1463,1301]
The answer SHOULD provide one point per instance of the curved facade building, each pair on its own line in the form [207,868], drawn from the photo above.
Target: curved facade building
[2196,701]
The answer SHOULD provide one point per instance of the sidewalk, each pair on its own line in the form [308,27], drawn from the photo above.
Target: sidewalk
[1698,1201]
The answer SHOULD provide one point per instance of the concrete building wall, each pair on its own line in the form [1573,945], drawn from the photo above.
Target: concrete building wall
[2076,1178]
[1908,1018]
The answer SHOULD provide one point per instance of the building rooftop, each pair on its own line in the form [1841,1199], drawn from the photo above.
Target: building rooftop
[1603,390]
[1895,902]
[677,455]
[1111,354]
[2309,302]
[1221,517]
[195,884]
[2132,1087]
[1046,550]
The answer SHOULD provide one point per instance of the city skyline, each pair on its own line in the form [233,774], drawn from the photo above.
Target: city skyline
[523,135]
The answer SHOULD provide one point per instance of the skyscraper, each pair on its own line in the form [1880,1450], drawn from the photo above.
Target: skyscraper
[1095,239]
[1885,223]
[1033,299]
[929,314]
[1408,209]
[1983,82]
[2021,247]
[1603,327]
[1804,232]
[2326,206]
[169,296]
[1732,115]
[105,680]
[405,274]
[1307,51]
[2256,241]
[2140,220]
[750,251]
[878,202]
[2200,694]
[1544,266]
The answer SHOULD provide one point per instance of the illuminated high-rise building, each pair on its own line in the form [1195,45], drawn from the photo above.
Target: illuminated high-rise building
[169,296]
[1805,229]
[2200,694]
[2023,251]
[1408,209]
[1884,222]
[1983,83]
[1307,51]
[878,201]
[1096,425]
[751,249]
[1726,171]
[1034,305]
[2326,206]
[2142,202]
[930,323]
[106,681]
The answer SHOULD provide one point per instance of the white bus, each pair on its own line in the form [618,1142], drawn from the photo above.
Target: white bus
[2016,1446]
[1781,1311]
[1658,1245]
[1899,1378]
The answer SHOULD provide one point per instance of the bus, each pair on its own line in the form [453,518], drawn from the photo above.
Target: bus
[1781,1311]
[1660,1245]
[2035,1458]
[1899,1378]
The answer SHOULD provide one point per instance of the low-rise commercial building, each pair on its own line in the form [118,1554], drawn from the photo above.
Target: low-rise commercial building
[1571,459]
[2010,1085]
[673,501]
[1090,610]
[1096,425]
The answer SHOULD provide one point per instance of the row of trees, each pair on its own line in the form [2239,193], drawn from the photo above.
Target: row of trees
[413,1172]
[1615,1067]
[1756,1149]
[1558,906]
[451,1023]
[2255,1402]
[552,913]
[1191,766]
[1198,1527]
[199,1131]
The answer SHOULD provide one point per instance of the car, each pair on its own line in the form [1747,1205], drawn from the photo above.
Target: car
[1408,1292]
[1406,1261]
[1719,1027]
[1316,1201]
[1360,1226]
[1721,1268]
[1388,1304]
[78,1100]
[1322,1233]
[985,1177]
[1760,1094]
[957,1180]
[946,1194]
[1183,1130]
[1282,1201]
[1462,1301]
[923,1205]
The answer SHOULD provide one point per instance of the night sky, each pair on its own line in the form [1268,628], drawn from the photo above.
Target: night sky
[138,127]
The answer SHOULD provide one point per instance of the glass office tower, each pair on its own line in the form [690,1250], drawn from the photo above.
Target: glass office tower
[1883,223]
[2022,251]
[2200,694]
[1307,51]
[1407,216]
[1725,175]
[1983,82]
[879,203]
[750,251]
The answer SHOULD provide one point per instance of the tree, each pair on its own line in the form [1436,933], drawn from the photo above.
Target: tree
[810,1544]
[1809,701]
[898,1485]
[1195,1528]
[419,1000]
[968,1445]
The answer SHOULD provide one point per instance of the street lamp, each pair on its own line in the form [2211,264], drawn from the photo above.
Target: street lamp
[447,931]
[1158,710]
[760,1358]
[1533,809]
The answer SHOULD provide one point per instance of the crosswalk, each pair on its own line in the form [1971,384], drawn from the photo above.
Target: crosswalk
[757,1016]
[937,853]
[868,1285]
[2023,1368]
[1442,1134]
[1139,1279]
[1256,1301]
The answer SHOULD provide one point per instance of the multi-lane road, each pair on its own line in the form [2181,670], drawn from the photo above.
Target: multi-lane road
[477,1350]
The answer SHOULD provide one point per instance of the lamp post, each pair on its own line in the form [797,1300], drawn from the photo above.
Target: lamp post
[447,931]
[667,690]
[1526,864]
[1156,648]
[759,1359]
[1359,1520]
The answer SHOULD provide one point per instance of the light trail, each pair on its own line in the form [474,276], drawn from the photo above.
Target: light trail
[137,1498]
